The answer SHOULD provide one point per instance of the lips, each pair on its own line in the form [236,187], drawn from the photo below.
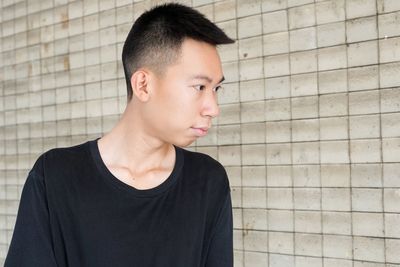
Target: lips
[202,128]
[201,131]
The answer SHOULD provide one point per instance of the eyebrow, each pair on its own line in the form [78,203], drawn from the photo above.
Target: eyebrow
[208,79]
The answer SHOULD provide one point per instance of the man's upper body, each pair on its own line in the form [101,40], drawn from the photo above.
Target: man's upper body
[135,197]
[75,212]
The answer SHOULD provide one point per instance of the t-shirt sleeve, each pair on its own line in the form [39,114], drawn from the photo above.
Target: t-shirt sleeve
[31,243]
[221,249]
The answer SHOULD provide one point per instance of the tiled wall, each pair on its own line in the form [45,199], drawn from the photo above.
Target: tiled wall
[309,129]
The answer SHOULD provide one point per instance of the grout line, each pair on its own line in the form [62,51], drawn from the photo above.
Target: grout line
[381,139]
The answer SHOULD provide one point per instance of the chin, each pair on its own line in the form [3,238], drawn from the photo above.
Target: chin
[184,143]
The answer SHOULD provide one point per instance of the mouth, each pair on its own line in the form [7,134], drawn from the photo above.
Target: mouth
[200,131]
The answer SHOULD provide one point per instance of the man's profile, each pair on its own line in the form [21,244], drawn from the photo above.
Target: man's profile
[135,197]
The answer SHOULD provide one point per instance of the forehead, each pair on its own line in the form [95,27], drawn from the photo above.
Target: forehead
[199,58]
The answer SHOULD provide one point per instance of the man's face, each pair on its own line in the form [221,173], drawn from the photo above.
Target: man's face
[185,97]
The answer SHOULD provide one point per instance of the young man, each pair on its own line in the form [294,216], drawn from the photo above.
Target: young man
[134,197]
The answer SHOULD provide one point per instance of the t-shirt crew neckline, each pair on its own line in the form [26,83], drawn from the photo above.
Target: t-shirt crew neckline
[114,181]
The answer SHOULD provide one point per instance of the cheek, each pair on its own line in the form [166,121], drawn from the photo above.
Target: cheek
[183,110]
[181,100]
[171,108]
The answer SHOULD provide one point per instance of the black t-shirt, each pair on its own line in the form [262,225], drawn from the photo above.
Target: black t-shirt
[75,212]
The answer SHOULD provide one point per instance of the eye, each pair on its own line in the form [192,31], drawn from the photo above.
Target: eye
[219,87]
[199,87]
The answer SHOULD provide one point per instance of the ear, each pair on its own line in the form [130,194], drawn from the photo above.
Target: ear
[139,83]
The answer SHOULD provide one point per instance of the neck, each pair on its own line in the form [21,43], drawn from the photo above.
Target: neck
[130,145]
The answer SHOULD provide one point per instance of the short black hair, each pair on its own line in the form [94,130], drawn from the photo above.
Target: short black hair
[155,38]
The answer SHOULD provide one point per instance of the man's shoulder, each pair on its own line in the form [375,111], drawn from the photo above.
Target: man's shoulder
[61,158]
[206,166]
[66,151]
[202,160]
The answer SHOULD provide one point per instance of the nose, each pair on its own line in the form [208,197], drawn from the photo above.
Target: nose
[210,104]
